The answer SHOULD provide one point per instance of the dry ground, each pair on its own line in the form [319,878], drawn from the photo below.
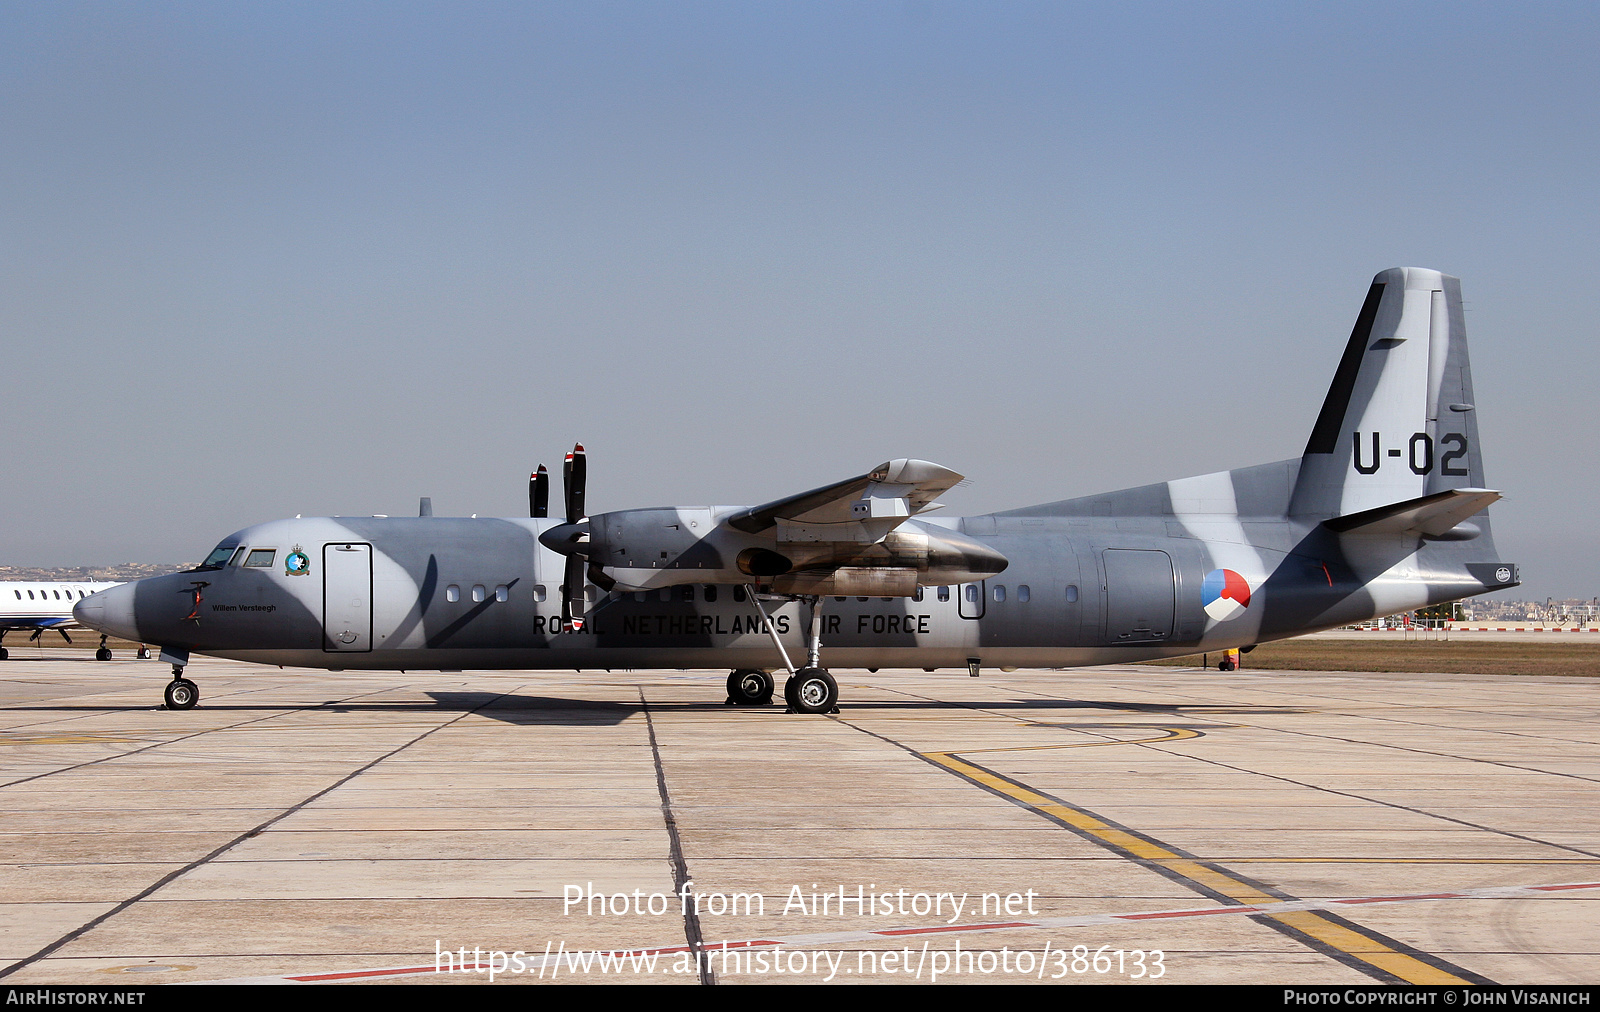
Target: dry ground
[1462,655]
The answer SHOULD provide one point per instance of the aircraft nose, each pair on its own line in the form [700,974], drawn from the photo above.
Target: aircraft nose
[109,611]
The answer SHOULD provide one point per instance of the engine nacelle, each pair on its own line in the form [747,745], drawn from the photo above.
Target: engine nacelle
[646,548]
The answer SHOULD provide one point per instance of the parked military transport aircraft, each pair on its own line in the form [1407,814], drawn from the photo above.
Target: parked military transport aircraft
[1382,513]
[40,606]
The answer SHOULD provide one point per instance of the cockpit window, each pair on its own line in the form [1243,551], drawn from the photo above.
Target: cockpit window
[219,556]
[260,558]
[237,556]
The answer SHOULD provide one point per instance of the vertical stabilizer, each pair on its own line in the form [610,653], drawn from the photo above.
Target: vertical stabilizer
[1399,421]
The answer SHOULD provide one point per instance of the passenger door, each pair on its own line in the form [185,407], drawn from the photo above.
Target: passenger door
[347,598]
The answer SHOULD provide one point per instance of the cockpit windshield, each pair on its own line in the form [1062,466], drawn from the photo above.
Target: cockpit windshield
[219,555]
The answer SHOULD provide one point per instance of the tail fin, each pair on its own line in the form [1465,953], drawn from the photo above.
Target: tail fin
[1399,421]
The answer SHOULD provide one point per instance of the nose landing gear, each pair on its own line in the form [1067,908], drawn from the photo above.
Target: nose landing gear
[104,653]
[181,693]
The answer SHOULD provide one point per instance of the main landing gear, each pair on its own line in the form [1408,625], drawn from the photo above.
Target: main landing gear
[810,689]
[750,687]
[181,693]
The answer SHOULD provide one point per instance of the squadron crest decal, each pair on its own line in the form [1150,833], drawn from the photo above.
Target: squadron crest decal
[296,563]
[1224,594]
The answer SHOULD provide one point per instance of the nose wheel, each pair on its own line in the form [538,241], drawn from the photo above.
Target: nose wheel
[181,693]
[104,652]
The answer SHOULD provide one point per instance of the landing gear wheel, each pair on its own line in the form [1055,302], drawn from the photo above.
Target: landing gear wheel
[4,653]
[750,687]
[812,690]
[182,694]
[102,654]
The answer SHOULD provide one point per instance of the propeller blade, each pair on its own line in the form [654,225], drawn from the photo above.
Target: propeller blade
[575,472]
[539,493]
[572,592]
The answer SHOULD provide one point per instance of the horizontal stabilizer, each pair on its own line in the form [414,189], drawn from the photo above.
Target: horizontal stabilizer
[1430,515]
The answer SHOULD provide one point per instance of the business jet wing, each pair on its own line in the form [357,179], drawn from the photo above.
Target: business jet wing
[861,509]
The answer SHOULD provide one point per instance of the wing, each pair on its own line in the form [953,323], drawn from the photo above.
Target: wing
[861,509]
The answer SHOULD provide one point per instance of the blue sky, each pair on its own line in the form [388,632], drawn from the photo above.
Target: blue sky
[267,259]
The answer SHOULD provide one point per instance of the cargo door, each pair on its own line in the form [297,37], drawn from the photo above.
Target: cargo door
[1139,596]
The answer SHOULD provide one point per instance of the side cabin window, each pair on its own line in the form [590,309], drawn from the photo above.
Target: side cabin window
[711,593]
[502,593]
[539,593]
[478,593]
[944,593]
[1023,593]
[999,592]
[452,593]
[1072,593]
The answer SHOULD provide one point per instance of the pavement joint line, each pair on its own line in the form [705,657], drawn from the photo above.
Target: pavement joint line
[185,869]
[682,884]
[1354,708]
[1173,734]
[1388,804]
[174,741]
[1385,959]
[1282,908]
[1377,955]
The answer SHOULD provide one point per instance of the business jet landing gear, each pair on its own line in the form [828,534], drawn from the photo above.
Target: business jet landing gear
[750,687]
[4,653]
[104,653]
[181,693]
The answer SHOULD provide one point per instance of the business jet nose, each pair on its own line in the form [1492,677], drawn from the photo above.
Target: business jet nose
[109,611]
